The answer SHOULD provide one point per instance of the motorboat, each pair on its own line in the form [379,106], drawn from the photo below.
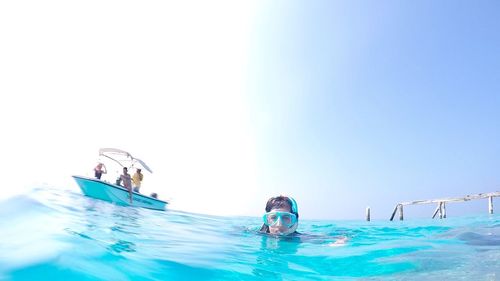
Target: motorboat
[115,193]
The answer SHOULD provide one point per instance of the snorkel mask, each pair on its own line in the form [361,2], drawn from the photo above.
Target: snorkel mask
[287,219]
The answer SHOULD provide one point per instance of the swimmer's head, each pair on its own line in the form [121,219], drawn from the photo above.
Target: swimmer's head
[282,216]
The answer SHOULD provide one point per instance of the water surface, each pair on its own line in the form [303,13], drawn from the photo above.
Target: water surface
[59,234]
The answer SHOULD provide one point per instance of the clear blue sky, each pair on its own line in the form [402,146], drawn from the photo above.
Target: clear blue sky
[340,104]
[362,103]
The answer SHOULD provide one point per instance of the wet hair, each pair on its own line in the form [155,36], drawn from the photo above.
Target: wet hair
[277,203]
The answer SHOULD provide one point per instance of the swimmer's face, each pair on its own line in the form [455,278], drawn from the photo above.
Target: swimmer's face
[281,228]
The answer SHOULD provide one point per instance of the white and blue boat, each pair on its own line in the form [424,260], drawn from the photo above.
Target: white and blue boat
[114,193]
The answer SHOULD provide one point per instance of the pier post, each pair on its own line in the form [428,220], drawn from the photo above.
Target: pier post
[394,212]
[490,204]
[437,210]
[367,213]
[400,212]
[440,210]
[444,210]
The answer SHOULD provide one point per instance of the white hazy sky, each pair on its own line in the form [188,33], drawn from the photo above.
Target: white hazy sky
[341,104]
[161,79]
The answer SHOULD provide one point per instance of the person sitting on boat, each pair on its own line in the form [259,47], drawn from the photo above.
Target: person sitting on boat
[281,217]
[137,179]
[99,170]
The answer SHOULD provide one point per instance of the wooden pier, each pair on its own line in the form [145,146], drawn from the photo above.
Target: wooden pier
[441,204]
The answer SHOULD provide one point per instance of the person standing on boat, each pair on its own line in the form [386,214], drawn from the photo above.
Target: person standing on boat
[127,181]
[99,170]
[137,179]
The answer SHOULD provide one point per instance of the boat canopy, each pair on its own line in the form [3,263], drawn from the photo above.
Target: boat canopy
[123,158]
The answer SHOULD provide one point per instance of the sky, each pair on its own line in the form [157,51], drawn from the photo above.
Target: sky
[339,104]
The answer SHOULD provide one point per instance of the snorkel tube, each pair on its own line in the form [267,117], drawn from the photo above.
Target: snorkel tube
[294,208]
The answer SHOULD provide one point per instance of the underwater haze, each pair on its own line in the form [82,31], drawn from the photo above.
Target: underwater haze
[58,234]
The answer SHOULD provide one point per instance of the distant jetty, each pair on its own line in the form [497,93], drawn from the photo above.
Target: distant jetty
[441,204]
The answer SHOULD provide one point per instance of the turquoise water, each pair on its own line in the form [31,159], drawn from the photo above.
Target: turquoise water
[59,234]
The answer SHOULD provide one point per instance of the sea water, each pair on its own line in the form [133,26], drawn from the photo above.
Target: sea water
[59,234]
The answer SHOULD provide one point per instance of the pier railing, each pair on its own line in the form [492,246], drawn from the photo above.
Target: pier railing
[441,203]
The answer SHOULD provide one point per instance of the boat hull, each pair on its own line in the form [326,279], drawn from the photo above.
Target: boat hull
[116,194]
